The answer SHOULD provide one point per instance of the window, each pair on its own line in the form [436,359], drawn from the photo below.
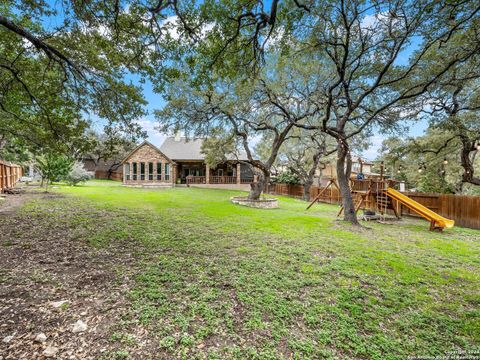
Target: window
[135,170]
[142,171]
[150,171]
[126,171]
[159,171]
[167,172]
[220,172]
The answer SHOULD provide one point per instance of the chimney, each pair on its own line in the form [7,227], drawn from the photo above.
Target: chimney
[177,136]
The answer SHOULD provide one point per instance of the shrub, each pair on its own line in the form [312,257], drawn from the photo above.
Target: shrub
[78,174]
[53,167]
[287,178]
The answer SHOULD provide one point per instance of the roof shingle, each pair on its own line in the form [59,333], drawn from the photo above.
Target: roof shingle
[181,148]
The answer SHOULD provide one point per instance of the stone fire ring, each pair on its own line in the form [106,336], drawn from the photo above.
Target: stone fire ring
[259,204]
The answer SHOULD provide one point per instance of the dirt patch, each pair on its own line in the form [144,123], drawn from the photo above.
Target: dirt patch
[42,262]
[8,203]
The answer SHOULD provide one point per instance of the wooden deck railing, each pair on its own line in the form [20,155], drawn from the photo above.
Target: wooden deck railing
[223,179]
[374,185]
[9,175]
[196,180]
[248,180]
[217,180]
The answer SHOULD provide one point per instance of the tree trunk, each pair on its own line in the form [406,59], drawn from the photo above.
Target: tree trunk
[306,189]
[256,188]
[344,163]
[467,163]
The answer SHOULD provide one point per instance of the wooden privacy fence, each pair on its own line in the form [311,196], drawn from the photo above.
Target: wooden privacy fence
[330,196]
[114,175]
[286,189]
[9,175]
[464,209]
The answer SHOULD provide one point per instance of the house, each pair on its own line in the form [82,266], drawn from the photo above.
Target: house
[179,161]
[327,171]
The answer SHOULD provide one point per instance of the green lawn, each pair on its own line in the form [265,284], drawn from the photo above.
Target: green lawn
[216,280]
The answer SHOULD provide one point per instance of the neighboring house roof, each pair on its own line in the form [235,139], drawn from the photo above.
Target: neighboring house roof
[181,148]
[148,144]
[355,158]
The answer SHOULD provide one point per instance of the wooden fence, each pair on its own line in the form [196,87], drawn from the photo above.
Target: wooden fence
[286,189]
[464,209]
[114,175]
[9,175]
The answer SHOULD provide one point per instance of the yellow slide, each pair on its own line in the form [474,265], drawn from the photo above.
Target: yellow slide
[436,221]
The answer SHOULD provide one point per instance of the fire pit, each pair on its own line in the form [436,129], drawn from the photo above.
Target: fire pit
[266,203]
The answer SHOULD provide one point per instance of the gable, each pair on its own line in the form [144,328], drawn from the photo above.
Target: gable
[146,152]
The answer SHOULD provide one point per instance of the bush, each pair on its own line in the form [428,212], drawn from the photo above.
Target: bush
[53,167]
[287,178]
[77,175]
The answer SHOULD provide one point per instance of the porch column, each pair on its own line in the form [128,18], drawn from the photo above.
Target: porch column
[207,174]
[238,173]
[173,174]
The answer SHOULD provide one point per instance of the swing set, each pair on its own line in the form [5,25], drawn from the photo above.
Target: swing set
[378,196]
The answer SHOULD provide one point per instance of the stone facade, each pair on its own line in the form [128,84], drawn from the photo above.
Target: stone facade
[146,165]
[271,203]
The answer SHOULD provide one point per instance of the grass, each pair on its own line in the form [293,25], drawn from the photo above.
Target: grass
[216,280]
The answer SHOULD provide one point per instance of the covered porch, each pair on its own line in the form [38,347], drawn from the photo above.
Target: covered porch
[227,173]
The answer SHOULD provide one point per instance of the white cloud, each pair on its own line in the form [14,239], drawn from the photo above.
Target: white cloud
[154,136]
[382,20]
[174,27]
[374,149]
[369,21]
